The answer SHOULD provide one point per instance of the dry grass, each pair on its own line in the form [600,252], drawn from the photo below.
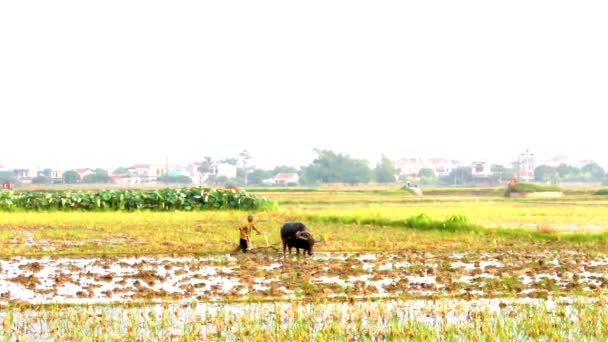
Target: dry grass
[359,221]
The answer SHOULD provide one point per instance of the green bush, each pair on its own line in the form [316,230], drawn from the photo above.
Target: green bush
[601,192]
[196,198]
[421,222]
[524,188]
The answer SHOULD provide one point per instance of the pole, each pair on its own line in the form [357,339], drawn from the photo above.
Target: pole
[167,171]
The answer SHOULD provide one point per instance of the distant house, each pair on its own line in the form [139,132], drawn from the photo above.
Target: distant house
[127,179]
[481,169]
[446,167]
[158,170]
[409,167]
[223,170]
[269,181]
[56,176]
[143,173]
[139,170]
[287,178]
[440,166]
[25,176]
[193,172]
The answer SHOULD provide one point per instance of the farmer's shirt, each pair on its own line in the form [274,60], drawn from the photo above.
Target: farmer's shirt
[246,230]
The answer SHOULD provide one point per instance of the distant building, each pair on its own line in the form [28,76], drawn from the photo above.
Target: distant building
[25,176]
[139,170]
[524,167]
[438,165]
[56,176]
[481,169]
[408,167]
[443,166]
[223,170]
[269,181]
[287,178]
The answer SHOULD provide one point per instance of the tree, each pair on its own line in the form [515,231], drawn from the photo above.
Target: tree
[567,172]
[427,175]
[44,177]
[594,171]
[217,180]
[206,165]
[501,173]
[7,176]
[283,169]
[231,161]
[47,173]
[257,176]
[71,177]
[121,170]
[385,171]
[460,176]
[244,160]
[545,173]
[98,176]
[330,167]
[426,172]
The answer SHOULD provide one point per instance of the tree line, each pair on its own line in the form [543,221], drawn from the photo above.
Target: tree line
[68,177]
[327,167]
[332,167]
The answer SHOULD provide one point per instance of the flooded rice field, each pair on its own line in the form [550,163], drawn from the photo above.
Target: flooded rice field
[247,277]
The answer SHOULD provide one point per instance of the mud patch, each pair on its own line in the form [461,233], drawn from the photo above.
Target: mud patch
[253,277]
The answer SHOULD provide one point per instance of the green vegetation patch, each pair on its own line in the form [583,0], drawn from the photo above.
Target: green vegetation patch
[422,222]
[187,199]
[525,188]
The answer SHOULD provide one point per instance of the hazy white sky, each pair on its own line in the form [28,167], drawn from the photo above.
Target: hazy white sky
[109,83]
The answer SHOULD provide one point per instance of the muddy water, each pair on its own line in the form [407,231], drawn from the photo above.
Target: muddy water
[252,277]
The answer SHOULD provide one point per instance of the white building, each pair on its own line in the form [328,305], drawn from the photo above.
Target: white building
[224,170]
[481,169]
[26,175]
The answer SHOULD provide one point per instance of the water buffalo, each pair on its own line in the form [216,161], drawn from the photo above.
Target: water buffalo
[295,234]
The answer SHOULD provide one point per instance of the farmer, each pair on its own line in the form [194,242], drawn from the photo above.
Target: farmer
[245,232]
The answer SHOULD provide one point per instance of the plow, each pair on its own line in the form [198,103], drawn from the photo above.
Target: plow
[253,248]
